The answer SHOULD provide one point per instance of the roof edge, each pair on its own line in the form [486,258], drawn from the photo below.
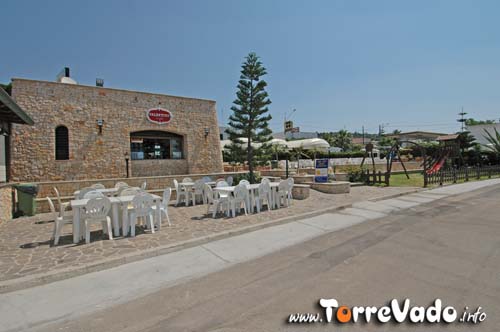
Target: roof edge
[113,89]
[14,107]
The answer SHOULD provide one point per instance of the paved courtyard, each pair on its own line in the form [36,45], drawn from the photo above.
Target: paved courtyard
[26,248]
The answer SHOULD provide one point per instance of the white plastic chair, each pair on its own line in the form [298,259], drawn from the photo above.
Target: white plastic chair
[144,185]
[96,210]
[198,191]
[130,191]
[92,194]
[238,199]
[164,204]
[187,180]
[121,184]
[180,193]
[60,219]
[282,195]
[97,186]
[291,182]
[83,192]
[217,202]
[245,182]
[264,194]
[142,209]
[62,206]
[229,180]
[221,183]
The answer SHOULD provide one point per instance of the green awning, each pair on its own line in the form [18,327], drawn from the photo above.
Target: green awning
[11,112]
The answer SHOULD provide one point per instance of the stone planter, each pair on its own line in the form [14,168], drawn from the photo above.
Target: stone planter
[337,187]
[341,177]
[300,191]
[303,178]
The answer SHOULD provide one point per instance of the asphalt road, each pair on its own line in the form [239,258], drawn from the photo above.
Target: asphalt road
[449,249]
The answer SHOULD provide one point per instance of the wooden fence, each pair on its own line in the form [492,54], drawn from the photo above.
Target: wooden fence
[375,177]
[463,174]
[449,175]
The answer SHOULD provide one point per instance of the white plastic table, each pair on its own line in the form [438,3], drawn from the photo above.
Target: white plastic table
[117,203]
[251,190]
[105,191]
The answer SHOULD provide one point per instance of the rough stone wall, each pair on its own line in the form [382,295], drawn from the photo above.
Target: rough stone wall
[5,203]
[94,156]
[159,167]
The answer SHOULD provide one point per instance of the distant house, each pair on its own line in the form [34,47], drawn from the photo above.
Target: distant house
[478,132]
[361,141]
[416,137]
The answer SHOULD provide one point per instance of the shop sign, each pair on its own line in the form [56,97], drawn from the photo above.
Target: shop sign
[159,115]
[321,170]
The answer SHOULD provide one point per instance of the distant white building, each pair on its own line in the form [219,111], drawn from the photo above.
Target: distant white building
[478,132]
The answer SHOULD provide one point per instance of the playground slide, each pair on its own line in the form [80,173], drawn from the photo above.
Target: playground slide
[437,166]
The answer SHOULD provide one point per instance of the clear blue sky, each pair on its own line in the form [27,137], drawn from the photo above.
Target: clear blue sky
[341,64]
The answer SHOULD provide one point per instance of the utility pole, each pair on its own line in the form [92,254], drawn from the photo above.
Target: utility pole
[363,133]
[462,119]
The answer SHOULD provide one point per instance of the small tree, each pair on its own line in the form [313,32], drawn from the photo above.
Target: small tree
[343,140]
[250,118]
[494,141]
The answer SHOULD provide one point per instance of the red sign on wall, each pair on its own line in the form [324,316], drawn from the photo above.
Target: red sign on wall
[159,115]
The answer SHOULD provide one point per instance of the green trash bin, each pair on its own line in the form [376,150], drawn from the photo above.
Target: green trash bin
[26,194]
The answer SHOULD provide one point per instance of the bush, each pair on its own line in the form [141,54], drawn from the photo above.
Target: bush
[245,176]
[355,173]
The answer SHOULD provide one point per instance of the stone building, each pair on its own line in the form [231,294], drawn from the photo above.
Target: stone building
[86,132]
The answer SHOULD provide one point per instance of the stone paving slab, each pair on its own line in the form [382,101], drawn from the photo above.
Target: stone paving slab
[330,222]
[27,251]
[368,214]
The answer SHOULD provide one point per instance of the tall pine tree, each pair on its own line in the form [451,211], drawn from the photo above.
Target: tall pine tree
[249,122]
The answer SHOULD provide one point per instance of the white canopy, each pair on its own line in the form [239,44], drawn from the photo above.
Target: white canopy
[309,144]
[306,144]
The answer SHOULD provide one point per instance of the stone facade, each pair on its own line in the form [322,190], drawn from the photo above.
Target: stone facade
[96,156]
[6,202]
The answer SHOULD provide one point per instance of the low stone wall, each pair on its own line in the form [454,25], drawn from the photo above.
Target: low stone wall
[337,187]
[158,167]
[6,202]
[300,191]
[277,172]
[155,184]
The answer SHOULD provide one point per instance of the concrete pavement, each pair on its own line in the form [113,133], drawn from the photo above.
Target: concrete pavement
[69,299]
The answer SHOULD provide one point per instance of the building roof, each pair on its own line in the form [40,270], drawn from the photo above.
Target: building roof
[447,137]
[418,134]
[479,132]
[10,110]
[359,140]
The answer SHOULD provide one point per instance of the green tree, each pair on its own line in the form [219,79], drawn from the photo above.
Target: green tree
[342,139]
[474,122]
[466,141]
[494,141]
[385,141]
[250,118]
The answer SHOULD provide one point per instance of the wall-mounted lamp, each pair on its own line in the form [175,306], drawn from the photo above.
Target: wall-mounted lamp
[126,162]
[100,123]
[207,131]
